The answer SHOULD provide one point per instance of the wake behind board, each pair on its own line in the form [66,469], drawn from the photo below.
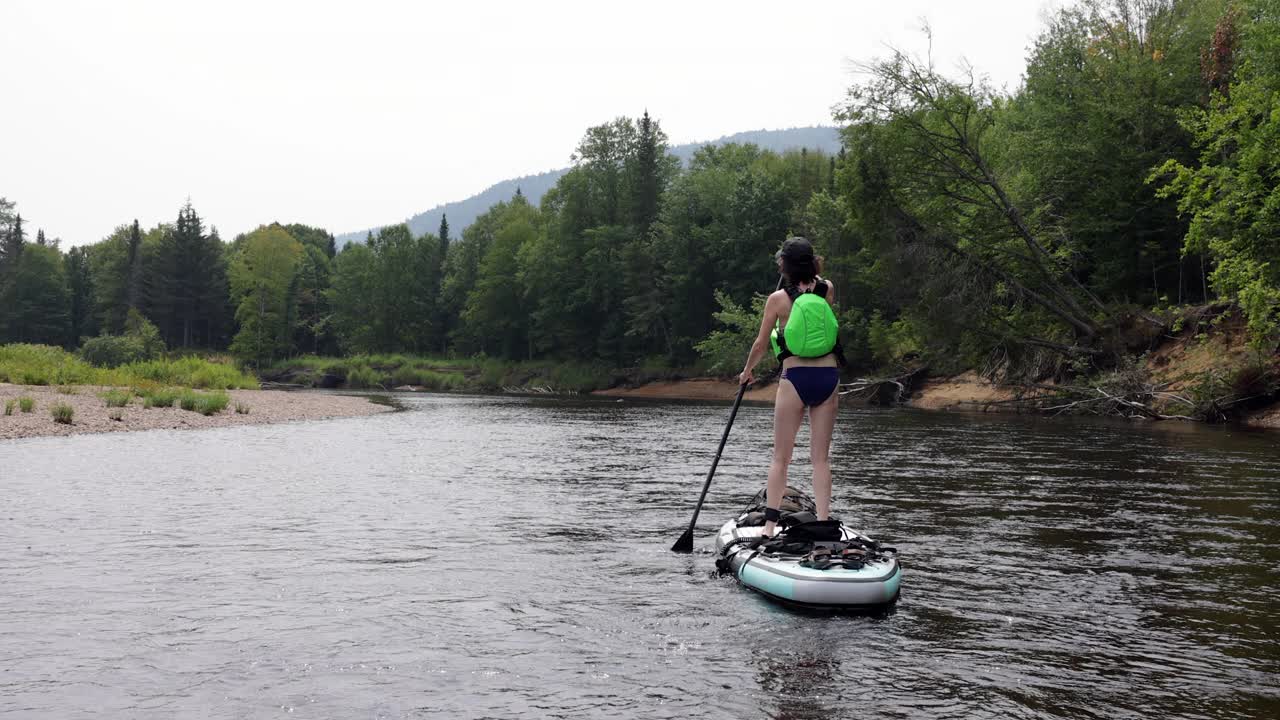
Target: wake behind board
[809,564]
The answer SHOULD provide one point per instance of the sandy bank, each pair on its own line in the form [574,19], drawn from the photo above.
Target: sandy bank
[693,389]
[967,391]
[92,414]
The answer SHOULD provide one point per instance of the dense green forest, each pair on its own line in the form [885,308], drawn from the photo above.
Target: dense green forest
[1031,233]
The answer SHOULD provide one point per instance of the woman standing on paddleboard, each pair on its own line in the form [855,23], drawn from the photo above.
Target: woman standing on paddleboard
[800,328]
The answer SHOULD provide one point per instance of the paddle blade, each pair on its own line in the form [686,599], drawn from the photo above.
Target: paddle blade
[685,543]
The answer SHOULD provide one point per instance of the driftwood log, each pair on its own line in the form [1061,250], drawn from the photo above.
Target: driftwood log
[882,391]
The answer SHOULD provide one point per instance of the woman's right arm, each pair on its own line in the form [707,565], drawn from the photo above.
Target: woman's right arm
[761,344]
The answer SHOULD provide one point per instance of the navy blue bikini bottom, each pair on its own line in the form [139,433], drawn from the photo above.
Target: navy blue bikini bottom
[813,384]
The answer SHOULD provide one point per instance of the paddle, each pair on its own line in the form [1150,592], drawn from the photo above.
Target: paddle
[685,543]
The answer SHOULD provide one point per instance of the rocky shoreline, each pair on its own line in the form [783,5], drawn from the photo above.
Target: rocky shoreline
[91,414]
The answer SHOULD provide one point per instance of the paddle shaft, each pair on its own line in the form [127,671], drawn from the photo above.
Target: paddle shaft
[685,543]
[737,402]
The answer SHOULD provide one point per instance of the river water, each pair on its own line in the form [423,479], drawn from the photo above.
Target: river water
[508,557]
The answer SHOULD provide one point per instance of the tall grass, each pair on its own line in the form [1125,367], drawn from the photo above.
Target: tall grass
[363,376]
[159,397]
[203,403]
[44,365]
[476,373]
[9,405]
[117,398]
[62,413]
[26,403]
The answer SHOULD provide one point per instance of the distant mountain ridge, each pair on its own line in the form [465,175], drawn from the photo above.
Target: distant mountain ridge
[462,213]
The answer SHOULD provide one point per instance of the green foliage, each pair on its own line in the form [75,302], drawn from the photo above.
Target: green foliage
[26,403]
[890,342]
[80,286]
[35,302]
[1104,85]
[9,404]
[140,342]
[62,413]
[113,350]
[203,403]
[363,376]
[160,397]
[262,275]
[1232,192]
[725,349]
[24,364]
[116,274]
[117,398]
[185,292]
[45,365]
[191,372]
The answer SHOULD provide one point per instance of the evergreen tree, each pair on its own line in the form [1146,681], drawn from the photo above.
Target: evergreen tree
[80,286]
[115,265]
[133,267]
[646,183]
[443,318]
[11,244]
[187,285]
[312,326]
[36,298]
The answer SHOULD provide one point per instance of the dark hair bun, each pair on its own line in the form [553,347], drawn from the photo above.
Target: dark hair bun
[798,261]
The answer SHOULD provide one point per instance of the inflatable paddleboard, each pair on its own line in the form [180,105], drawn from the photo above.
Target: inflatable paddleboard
[808,563]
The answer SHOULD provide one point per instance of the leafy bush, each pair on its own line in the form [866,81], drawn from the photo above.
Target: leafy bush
[117,398]
[161,397]
[187,400]
[138,327]
[45,365]
[113,351]
[26,403]
[212,403]
[363,376]
[24,364]
[189,372]
[726,349]
[203,403]
[889,342]
[62,413]
[139,343]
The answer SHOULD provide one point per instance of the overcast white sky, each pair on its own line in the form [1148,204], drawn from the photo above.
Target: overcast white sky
[351,114]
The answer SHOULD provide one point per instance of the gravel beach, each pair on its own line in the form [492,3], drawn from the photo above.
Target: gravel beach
[91,414]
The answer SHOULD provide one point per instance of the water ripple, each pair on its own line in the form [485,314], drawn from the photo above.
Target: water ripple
[508,557]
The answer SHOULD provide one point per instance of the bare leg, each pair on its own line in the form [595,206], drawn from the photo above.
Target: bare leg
[788,411]
[822,422]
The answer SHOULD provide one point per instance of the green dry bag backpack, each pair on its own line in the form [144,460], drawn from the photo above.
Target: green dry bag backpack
[811,330]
